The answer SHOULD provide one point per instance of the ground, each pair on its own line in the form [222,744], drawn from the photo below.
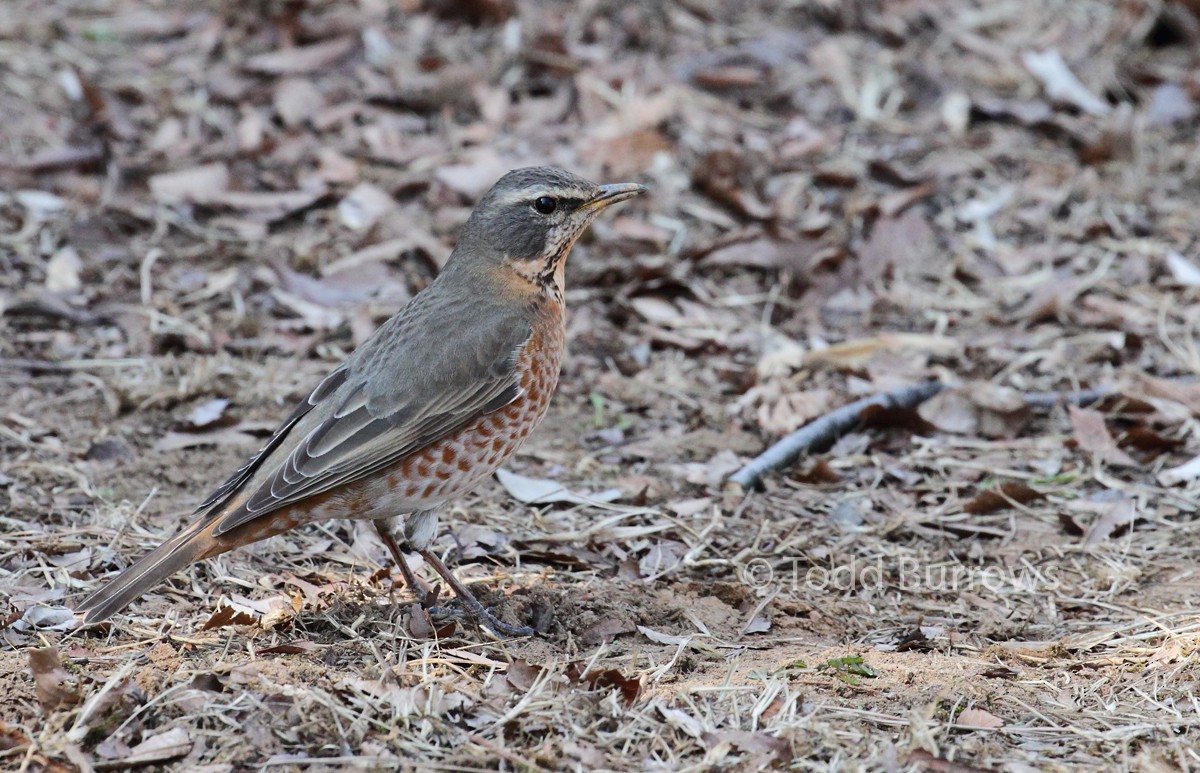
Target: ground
[204,207]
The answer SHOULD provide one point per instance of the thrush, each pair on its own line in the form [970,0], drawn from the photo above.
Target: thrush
[438,397]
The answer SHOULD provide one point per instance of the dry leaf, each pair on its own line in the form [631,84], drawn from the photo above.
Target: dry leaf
[55,687]
[1189,470]
[302,60]
[208,412]
[174,441]
[1061,84]
[986,502]
[364,206]
[537,491]
[158,748]
[1093,436]
[195,183]
[296,101]
[1118,515]
[978,718]
[62,271]
[1183,271]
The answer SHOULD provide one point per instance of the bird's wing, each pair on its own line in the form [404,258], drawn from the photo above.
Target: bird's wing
[430,370]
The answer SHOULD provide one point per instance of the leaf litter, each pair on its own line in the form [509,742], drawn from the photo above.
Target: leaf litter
[204,210]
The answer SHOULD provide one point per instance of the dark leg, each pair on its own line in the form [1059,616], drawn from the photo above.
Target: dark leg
[420,589]
[477,610]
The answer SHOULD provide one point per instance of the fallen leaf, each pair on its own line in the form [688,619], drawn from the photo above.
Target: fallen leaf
[663,638]
[1062,85]
[229,614]
[208,412]
[1170,103]
[794,410]
[682,721]
[296,101]
[952,411]
[926,761]
[1183,271]
[298,647]
[174,441]
[363,206]
[62,271]
[777,747]
[1093,436]
[522,674]
[986,502]
[55,687]
[906,243]
[856,353]
[302,59]
[608,628]
[978,718]
[1189,470]
[40,205]
[610,678]
[159,748]
[541,491]
[1119,514]
[192,184]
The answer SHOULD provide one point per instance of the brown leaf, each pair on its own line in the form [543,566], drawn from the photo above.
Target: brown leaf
[906,243]
[611,678]
[894,417]
[227,615]
[952,411]
[820,472]
[986,502]
[778,748]
[608,628]
[297,647]
[927,761]
[792,411]
[159,748]
[978,718]
[1113,521]
[1092,435]
[55,687]
[302,59]
[522,674]
[1148,441]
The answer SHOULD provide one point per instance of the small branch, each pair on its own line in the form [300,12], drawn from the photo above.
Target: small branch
[1081,398]
[824,432]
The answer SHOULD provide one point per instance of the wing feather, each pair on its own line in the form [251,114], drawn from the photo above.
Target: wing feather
[376,409]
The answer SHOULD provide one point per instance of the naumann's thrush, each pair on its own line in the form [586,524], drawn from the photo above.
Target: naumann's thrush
[434,401]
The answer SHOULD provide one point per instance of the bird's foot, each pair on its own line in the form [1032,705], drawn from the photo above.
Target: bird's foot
[471,605]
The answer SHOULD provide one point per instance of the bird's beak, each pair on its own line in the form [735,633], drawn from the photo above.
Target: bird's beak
[610,194]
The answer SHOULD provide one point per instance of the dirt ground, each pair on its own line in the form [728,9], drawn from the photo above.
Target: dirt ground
[205,206]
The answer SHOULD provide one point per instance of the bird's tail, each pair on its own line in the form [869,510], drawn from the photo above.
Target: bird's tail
[192,544]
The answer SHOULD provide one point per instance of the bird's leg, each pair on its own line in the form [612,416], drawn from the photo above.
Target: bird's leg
[419,530]
[477,610]
[420,589]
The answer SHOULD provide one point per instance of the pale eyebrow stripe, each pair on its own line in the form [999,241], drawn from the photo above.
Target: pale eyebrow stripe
[529,194]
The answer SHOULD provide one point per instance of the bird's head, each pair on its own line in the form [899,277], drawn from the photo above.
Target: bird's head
[530,219]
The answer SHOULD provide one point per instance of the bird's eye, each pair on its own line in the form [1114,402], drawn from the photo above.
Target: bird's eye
[545,205]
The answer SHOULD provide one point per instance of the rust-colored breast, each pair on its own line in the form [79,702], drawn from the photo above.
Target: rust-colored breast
[457,462]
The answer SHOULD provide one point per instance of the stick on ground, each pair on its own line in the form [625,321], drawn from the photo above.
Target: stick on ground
[823,432]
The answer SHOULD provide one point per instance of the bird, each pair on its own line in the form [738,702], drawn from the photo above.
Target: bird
[433,402]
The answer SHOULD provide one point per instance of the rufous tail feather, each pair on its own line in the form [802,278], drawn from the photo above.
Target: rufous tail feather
[190,545]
